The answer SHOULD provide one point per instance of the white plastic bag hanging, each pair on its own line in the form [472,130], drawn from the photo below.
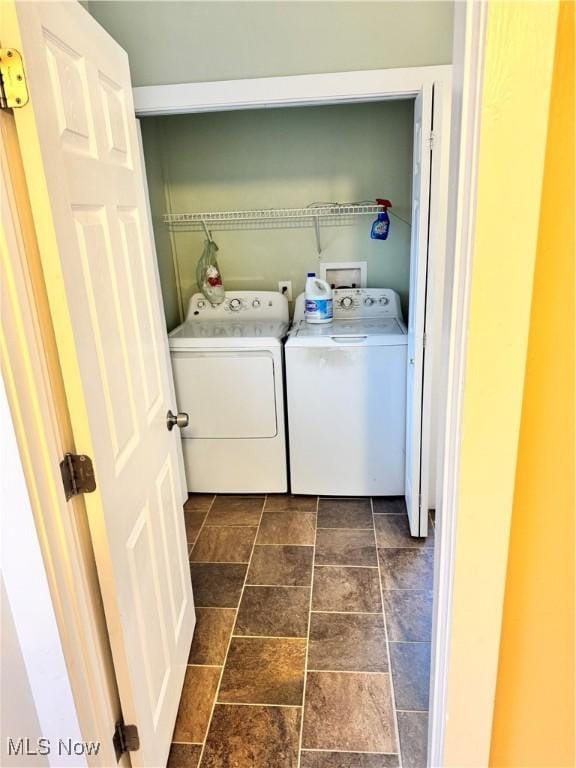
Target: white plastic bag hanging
[208,275]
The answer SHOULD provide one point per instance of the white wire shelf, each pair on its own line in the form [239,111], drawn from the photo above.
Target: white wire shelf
[329,214]
[310,212]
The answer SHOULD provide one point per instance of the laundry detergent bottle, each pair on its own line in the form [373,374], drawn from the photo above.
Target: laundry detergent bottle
[318,300]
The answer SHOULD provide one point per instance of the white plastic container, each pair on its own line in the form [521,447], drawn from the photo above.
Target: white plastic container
[318,300]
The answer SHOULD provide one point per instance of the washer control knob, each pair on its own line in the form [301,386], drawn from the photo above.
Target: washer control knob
[346,302]
[384,300]
[256,303]
[368,301]
[235,304]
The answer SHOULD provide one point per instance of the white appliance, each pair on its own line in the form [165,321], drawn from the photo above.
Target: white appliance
[228,372]
[346,390]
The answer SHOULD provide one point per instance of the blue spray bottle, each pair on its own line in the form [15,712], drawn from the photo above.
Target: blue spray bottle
[381,226]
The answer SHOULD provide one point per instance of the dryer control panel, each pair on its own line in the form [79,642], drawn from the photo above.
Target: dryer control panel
[240,305]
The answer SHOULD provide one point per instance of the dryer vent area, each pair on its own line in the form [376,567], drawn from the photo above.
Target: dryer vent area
[312,644]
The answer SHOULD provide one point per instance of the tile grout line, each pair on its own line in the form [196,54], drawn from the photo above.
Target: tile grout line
[308,638]
[286,543]
[393,694]
[219,562]
[405,589]
[193,544]
[417,547]
[257,704]
[317,565]
[341,528]
[352,613]
[348,752]
[270,637]
[231,525]
[281,586]
[339,565]
[231,634]
[348,672]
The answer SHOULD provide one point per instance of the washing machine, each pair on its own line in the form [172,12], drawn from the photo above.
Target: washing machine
[228,373]
[346,397]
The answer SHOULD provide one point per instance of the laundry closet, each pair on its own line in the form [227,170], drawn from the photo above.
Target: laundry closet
[275,161]
[280,158]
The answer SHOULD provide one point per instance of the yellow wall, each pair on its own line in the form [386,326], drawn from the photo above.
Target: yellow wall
[534,713]
[513,107]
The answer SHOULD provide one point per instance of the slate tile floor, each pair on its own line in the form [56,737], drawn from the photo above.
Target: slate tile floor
[312,642]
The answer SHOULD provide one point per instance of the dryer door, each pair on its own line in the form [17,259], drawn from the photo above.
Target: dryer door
[227,394]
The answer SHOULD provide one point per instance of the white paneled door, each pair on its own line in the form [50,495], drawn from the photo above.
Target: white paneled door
[79,142]
[416,483]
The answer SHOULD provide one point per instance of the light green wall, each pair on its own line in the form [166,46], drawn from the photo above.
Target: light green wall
[157,192]
[172,42]
[287,157]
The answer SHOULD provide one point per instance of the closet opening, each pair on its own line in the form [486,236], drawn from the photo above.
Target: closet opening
[307,444]
[247,179]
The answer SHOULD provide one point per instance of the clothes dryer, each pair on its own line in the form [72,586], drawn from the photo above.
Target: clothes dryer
[228,372]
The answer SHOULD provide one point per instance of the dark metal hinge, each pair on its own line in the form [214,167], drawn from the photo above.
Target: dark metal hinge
[13,87]
[77,475]
[125,739]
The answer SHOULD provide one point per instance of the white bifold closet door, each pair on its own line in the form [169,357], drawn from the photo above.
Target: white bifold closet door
[416,470]
[83,166]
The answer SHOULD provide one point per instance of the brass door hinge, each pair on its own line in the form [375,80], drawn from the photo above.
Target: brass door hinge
[13,87]
[77,475]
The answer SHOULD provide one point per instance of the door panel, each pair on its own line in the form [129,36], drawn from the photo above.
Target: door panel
[416,491]
[83,165]
[138,283]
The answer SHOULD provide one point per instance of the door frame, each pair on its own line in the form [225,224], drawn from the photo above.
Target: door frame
[290,91]
[361,87]
[495,67]
[349,88]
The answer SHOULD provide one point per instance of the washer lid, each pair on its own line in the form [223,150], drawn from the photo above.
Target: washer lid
[374,332]
[384,326]
[226,333]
